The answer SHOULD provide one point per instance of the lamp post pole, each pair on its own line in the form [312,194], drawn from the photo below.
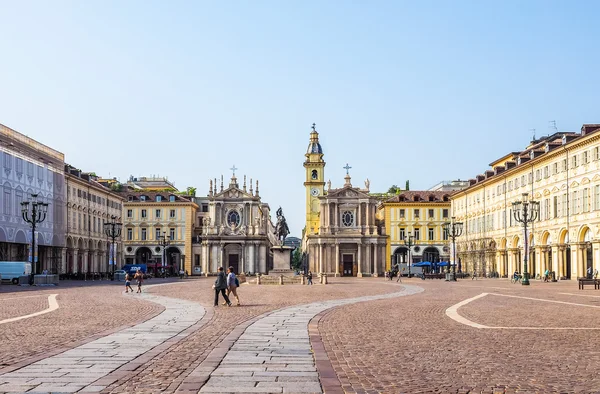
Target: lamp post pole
[453,229]
[113,231]
[408,241]
[525,212]
[39,210]
[164,242]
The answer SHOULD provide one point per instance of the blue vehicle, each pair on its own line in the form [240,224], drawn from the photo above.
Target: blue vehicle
[12,270]
[132,268]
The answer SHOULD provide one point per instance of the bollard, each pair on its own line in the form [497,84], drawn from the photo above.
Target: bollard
[258,279]
[324,280]
[302,279]
[281,279]
[321,278]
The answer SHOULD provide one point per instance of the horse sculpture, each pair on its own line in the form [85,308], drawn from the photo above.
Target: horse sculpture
[281,228]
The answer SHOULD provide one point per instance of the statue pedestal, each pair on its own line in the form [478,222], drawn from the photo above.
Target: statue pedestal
[282,260]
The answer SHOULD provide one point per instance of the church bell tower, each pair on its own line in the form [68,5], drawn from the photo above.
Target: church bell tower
[314,183]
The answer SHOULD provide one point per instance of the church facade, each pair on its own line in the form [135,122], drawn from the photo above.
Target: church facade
[235,232]
[342,236]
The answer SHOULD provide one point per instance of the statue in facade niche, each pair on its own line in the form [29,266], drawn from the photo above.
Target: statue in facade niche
[281,228]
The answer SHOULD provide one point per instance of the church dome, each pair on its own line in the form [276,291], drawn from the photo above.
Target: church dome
[314,146]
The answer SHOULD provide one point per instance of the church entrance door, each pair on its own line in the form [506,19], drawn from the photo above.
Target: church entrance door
[348,264]
[234,261]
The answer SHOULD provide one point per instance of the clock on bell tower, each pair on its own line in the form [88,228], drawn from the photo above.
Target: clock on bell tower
[315,181]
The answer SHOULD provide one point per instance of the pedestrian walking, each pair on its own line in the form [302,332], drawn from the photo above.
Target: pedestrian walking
[128,283]
[589,273]
[309,278]
[220,286]
[474,275]
[232,284]
[139,277]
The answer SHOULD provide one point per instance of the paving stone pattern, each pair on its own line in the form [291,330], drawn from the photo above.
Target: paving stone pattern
[77,369]
[411,346]
[87,311]
[209,344]
[274,354]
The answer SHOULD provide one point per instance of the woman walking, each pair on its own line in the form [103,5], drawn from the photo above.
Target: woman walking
[232,284]
[220,286]
[309,277]
[128,283]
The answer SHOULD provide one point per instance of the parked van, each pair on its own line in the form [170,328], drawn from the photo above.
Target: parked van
[132,268]
[12,270]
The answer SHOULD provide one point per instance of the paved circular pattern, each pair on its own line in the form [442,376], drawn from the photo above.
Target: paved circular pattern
[409,345]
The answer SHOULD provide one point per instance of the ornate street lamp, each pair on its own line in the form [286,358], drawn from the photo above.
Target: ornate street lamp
[164,241]
[39,210]
[113,231]
[453,230]
[408,241]
[526,211]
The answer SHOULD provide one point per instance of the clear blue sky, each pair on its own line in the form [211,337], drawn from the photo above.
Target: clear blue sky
[426,91]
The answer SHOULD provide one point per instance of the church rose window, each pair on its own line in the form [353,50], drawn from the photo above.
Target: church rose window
[233,218]
[347,218]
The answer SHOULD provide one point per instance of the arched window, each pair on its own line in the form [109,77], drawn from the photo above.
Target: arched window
[314,175]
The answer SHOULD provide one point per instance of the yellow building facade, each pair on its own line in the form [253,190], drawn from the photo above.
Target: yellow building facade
[562,173]
[147,216]
[422,214]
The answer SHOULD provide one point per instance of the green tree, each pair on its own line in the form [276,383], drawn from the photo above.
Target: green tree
[407,185]
[191,191]
[297,259]
[393,189]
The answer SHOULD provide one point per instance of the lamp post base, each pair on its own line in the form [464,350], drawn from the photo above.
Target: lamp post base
[450,277]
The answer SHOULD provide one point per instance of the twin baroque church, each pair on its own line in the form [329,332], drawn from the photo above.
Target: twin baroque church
[342,236]
[236,231]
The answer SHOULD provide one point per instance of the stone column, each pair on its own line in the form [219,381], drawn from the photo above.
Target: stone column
[582,269]
[251,261]
[359,216]
[263,259]
[376,269]
[63,259]
[100,261]
[75,260]
[337,260]
[560,258]
[336,215]
[359,261]
[242,267]
[367,217]
[320,258]
[84,261]
[368,262]
[221,255]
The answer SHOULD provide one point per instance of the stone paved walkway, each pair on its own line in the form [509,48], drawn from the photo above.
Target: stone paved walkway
[274,354]
[78,369]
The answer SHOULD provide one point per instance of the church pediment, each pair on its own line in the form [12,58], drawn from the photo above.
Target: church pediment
[233,193]
[347,192]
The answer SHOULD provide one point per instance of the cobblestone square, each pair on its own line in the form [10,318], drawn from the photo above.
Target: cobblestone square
[354,335]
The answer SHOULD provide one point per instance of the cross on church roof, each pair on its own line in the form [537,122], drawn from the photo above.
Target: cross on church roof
[313,126]
[347,168]
[234,169]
